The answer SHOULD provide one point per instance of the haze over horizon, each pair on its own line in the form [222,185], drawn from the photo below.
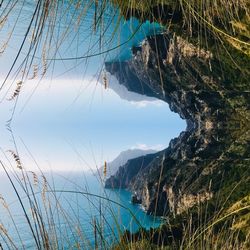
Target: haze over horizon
[85,123]
[69,113]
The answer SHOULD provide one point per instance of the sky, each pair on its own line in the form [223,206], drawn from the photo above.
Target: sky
[67,120]
[64,130]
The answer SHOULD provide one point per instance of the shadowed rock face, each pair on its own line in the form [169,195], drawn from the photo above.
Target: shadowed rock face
[212,157]
[122,159]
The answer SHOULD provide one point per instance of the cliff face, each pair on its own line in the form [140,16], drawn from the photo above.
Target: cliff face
[212,157]
[122,159]
[127,172]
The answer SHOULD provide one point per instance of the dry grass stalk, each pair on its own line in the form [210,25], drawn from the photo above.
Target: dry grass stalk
[44,189]
[35,178]
[17,91]
[105,80]
[17,159]
[35,72]
[4,203]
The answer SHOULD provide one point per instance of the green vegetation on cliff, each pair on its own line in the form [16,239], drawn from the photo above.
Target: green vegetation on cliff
[201,67]
[221,27]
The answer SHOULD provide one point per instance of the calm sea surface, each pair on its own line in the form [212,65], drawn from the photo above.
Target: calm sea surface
[73,204]
[86,203]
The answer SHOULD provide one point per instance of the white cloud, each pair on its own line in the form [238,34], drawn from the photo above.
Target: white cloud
[145,103]
[143,146]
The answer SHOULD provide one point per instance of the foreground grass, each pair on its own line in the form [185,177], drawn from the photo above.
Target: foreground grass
[228,19]
[201,21]
[52,225]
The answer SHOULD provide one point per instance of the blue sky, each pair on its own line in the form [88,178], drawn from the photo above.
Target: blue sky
[68,121]
[62,133]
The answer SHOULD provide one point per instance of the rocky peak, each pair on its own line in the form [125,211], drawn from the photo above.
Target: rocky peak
[210,157]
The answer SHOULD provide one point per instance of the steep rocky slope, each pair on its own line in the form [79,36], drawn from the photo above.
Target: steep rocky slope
[212,157]
[122,159]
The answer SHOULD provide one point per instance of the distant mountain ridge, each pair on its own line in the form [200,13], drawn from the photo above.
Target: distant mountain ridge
[211,158]
[122,159]
[127,94]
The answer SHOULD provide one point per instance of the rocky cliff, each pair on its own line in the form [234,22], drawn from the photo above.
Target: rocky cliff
[122,159]
[212,157]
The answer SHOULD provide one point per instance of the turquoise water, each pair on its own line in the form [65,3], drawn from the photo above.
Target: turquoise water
[75,200]
[81,43]
[72,211]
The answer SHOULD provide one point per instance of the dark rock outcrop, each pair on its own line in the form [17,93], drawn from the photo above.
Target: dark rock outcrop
[212,157]
[126,173]
[122,159]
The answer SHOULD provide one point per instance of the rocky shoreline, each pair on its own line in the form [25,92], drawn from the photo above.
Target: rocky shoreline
[211,157]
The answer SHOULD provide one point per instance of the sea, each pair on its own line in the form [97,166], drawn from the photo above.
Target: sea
[71,208]
[75,208]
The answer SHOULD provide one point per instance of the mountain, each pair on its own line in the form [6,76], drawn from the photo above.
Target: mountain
[126,94]
[202,179]
[212,157]
[122,159]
